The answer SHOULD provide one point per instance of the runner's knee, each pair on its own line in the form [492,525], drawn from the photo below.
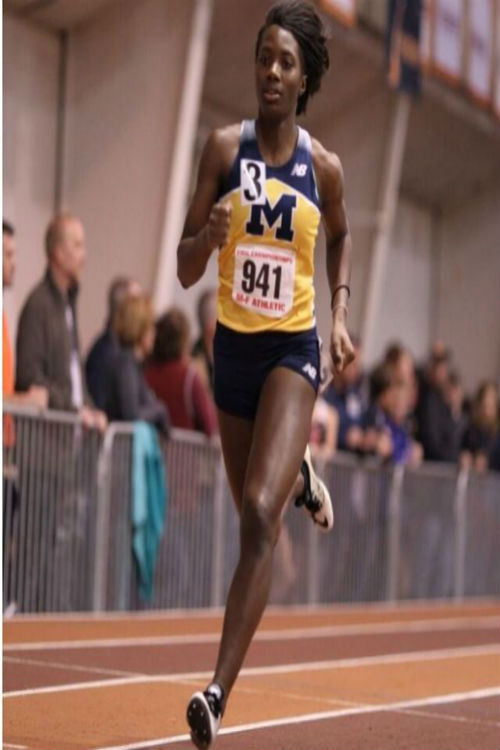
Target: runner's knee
[260,523]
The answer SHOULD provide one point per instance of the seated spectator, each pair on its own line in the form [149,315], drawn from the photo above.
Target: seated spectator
[176,380]
[48,351]
[386,433]
[203,349]
[479,444]
[129,397]
[435,426]
[347,393]
[101,354]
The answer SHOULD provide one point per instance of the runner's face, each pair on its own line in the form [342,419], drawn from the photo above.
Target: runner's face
[278,72]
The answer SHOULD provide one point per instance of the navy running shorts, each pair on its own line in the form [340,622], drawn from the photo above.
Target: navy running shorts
[242,362]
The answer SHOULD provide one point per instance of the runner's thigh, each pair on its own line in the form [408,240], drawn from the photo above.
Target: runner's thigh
[280,434]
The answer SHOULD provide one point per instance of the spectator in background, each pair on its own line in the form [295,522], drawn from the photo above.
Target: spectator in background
[129,397]
[495,454]
[435,426]
[324,430]
[455,398]
[386,433]
[203,349]
[348,394]
[100,356]
[401,361]
[480,440]
[35,395]
[176,380]
[48,353]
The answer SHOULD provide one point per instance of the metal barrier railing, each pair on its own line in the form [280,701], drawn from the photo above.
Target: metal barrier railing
[400,534]
[189,566]
[49,511]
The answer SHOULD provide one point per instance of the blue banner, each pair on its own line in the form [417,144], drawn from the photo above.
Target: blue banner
[403,45]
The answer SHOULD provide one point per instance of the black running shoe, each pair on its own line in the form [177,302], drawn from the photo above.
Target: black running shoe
[204,713]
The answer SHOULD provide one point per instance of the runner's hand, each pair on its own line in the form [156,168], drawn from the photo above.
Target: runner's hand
[217,227]
[341,347]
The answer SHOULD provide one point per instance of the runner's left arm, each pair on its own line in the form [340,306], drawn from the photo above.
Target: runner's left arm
[338,251]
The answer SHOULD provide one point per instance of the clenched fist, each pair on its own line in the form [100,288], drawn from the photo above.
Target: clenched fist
[217,228]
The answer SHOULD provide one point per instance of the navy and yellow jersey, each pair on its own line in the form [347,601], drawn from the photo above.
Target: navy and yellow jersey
[266,268]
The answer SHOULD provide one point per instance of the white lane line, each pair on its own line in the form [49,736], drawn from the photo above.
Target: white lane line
[449,717]
[11,746]
[320,716]
[365,661]
[327,631]
[68,667]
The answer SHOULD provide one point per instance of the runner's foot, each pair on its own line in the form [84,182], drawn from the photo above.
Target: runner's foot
[315,499]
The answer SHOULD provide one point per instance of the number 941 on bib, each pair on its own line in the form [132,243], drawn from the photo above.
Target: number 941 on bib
[264,279]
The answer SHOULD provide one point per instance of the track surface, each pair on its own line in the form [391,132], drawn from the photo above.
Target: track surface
[342,678]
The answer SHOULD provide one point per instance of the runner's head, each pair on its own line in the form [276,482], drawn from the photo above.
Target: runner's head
[292,30]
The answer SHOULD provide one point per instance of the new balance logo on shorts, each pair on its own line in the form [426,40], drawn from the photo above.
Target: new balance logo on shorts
[299,170]
[310,370]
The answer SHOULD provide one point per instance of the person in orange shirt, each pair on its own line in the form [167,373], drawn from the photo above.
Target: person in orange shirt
[36,395]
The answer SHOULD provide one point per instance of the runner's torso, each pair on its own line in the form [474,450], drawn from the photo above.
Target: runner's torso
[266,268]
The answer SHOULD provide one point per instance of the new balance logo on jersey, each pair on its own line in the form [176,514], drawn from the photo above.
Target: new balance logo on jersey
[299,170]
[310,370]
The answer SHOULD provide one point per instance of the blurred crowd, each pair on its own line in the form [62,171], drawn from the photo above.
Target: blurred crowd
[138,368]
[150,369]
[403,412]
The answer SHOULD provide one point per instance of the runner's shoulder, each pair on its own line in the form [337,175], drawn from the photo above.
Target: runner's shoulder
[328,169]
[222,145]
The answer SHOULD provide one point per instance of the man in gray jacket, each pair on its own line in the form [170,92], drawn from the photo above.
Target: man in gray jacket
[48,352]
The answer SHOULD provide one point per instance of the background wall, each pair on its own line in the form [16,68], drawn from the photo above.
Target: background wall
[124,78]
[469,282]
[406,310]
[30,85]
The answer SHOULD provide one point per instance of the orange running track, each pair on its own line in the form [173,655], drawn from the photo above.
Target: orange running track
[336,678]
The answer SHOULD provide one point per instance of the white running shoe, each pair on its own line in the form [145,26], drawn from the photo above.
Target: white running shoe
[204,713]
[315,498]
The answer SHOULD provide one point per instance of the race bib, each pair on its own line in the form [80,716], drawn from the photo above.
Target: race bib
[264,279]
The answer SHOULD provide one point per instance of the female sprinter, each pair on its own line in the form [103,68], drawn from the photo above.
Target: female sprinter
[263,186]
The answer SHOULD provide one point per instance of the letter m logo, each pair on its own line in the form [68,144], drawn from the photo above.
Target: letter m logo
[281,212]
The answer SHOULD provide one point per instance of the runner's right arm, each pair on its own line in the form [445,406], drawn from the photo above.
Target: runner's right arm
[207,222]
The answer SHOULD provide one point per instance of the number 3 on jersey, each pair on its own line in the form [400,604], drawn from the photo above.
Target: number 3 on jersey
[252,182]
[264,279]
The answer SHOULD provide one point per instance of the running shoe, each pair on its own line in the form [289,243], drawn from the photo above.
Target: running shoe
[204,713]
[315,499]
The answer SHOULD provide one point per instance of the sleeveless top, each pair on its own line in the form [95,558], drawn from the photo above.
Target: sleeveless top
[266,268]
